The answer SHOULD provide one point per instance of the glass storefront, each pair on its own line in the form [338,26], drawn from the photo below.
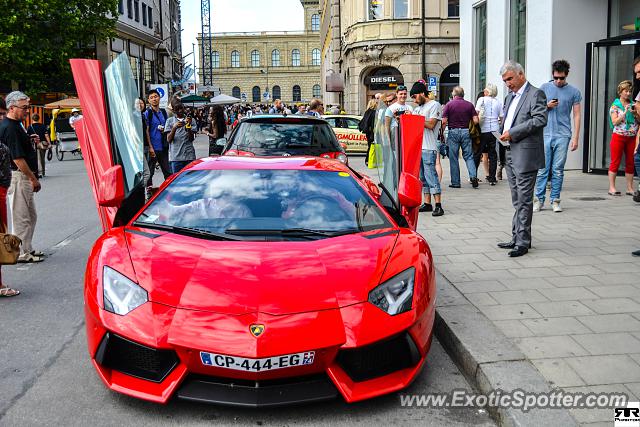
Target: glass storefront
[518,31]
[480,51]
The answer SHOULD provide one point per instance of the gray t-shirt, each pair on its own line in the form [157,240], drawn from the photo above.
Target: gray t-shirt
[181,148]
[430,110]
[559,118]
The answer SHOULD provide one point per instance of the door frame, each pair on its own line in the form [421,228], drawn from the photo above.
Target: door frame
[588,85]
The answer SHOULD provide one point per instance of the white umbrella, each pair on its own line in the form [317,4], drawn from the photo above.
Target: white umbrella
[223,99]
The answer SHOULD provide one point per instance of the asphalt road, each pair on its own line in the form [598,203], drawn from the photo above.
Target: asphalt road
[45,374]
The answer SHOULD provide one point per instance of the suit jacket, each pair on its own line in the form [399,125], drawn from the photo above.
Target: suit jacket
[527,141]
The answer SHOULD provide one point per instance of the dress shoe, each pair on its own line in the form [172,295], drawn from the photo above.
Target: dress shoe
[438,211]
[507,245]
[474,182]
[426,207]
[454,186]
[636,196]
[636,253]
[518,251]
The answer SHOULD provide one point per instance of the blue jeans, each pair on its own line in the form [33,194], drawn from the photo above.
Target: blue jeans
[636,161]
[555,156]
[177,166]
[428,174]
[459,138]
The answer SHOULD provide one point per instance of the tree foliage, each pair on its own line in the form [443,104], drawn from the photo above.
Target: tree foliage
[38,37]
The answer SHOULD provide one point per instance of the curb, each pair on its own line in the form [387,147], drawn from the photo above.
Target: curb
[489,359]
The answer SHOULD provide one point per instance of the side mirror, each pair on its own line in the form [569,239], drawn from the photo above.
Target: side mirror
[111,188]
[221,142]
[409,191]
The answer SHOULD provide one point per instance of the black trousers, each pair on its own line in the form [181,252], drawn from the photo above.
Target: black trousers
[487,145]
[161,158]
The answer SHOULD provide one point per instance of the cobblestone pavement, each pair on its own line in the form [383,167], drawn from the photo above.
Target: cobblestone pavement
[572,304]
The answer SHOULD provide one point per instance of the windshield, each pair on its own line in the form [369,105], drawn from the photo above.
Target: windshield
[279,136]
[125,119]
[259,202]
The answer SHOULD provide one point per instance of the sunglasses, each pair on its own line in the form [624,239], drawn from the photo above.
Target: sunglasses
[561,78]
[402,87]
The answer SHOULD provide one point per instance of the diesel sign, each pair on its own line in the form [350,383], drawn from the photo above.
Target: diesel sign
[385,79]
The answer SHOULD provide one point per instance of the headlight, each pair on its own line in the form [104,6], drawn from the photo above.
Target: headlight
[121,295]
[396,294]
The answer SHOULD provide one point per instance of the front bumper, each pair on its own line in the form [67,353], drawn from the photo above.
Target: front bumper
[361,352]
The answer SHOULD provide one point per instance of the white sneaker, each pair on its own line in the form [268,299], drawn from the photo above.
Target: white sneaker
[556,206]
[537,205]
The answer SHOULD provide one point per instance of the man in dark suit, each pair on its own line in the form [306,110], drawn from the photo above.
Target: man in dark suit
[525,116]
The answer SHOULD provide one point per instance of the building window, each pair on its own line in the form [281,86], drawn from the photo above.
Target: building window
[295,57]
[315,23]
[316,91]
[276,93]
[454,9]
[235,92]
[374,9]
[215,59]
[147,69]
[518,31]
[480,50]
[622,17]
[400,9]
[275,58]
[235,59]
[130,9]
[144,14]
[150,16]
[255,94]
[315,57]
[255,58]
[135,67]
[136,10]
[297,95]
[121,7]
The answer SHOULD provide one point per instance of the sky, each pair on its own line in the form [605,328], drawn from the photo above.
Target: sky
[239,16]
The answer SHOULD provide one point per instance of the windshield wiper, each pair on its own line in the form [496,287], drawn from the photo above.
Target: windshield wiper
[187,231]
[292,232]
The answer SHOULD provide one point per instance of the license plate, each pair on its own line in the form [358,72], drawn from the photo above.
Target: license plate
[257,365]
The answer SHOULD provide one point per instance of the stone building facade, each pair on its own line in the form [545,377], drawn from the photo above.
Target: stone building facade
[371,46]
[262,66]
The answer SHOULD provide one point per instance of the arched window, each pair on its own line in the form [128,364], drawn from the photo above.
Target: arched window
[316,91]
[235,59]
[297,95]
[215,59]
[275,93]
[275,58]
[315,23]
[295,57]
[255,58]
[235,92]
[255,94]
[315,57]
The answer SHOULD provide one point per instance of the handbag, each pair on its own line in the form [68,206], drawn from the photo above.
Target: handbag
[9,248]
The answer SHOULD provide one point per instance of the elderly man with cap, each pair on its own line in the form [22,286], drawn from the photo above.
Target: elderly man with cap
[432,111]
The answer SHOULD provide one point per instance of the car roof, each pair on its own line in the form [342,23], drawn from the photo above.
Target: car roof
[276,162]
[291,118]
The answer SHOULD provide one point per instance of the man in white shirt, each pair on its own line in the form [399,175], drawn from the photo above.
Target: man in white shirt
[432,112]
[526,117]
[397,109]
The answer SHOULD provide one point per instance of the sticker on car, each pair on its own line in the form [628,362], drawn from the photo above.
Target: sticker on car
[257,365]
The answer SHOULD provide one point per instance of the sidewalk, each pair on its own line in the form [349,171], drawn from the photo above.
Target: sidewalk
[572,304]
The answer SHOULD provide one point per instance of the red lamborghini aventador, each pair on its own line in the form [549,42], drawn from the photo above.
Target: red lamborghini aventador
[251,281]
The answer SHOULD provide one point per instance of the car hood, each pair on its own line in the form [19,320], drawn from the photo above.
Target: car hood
[238,277]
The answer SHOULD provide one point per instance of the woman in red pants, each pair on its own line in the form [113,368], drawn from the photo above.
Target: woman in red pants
[623,140]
